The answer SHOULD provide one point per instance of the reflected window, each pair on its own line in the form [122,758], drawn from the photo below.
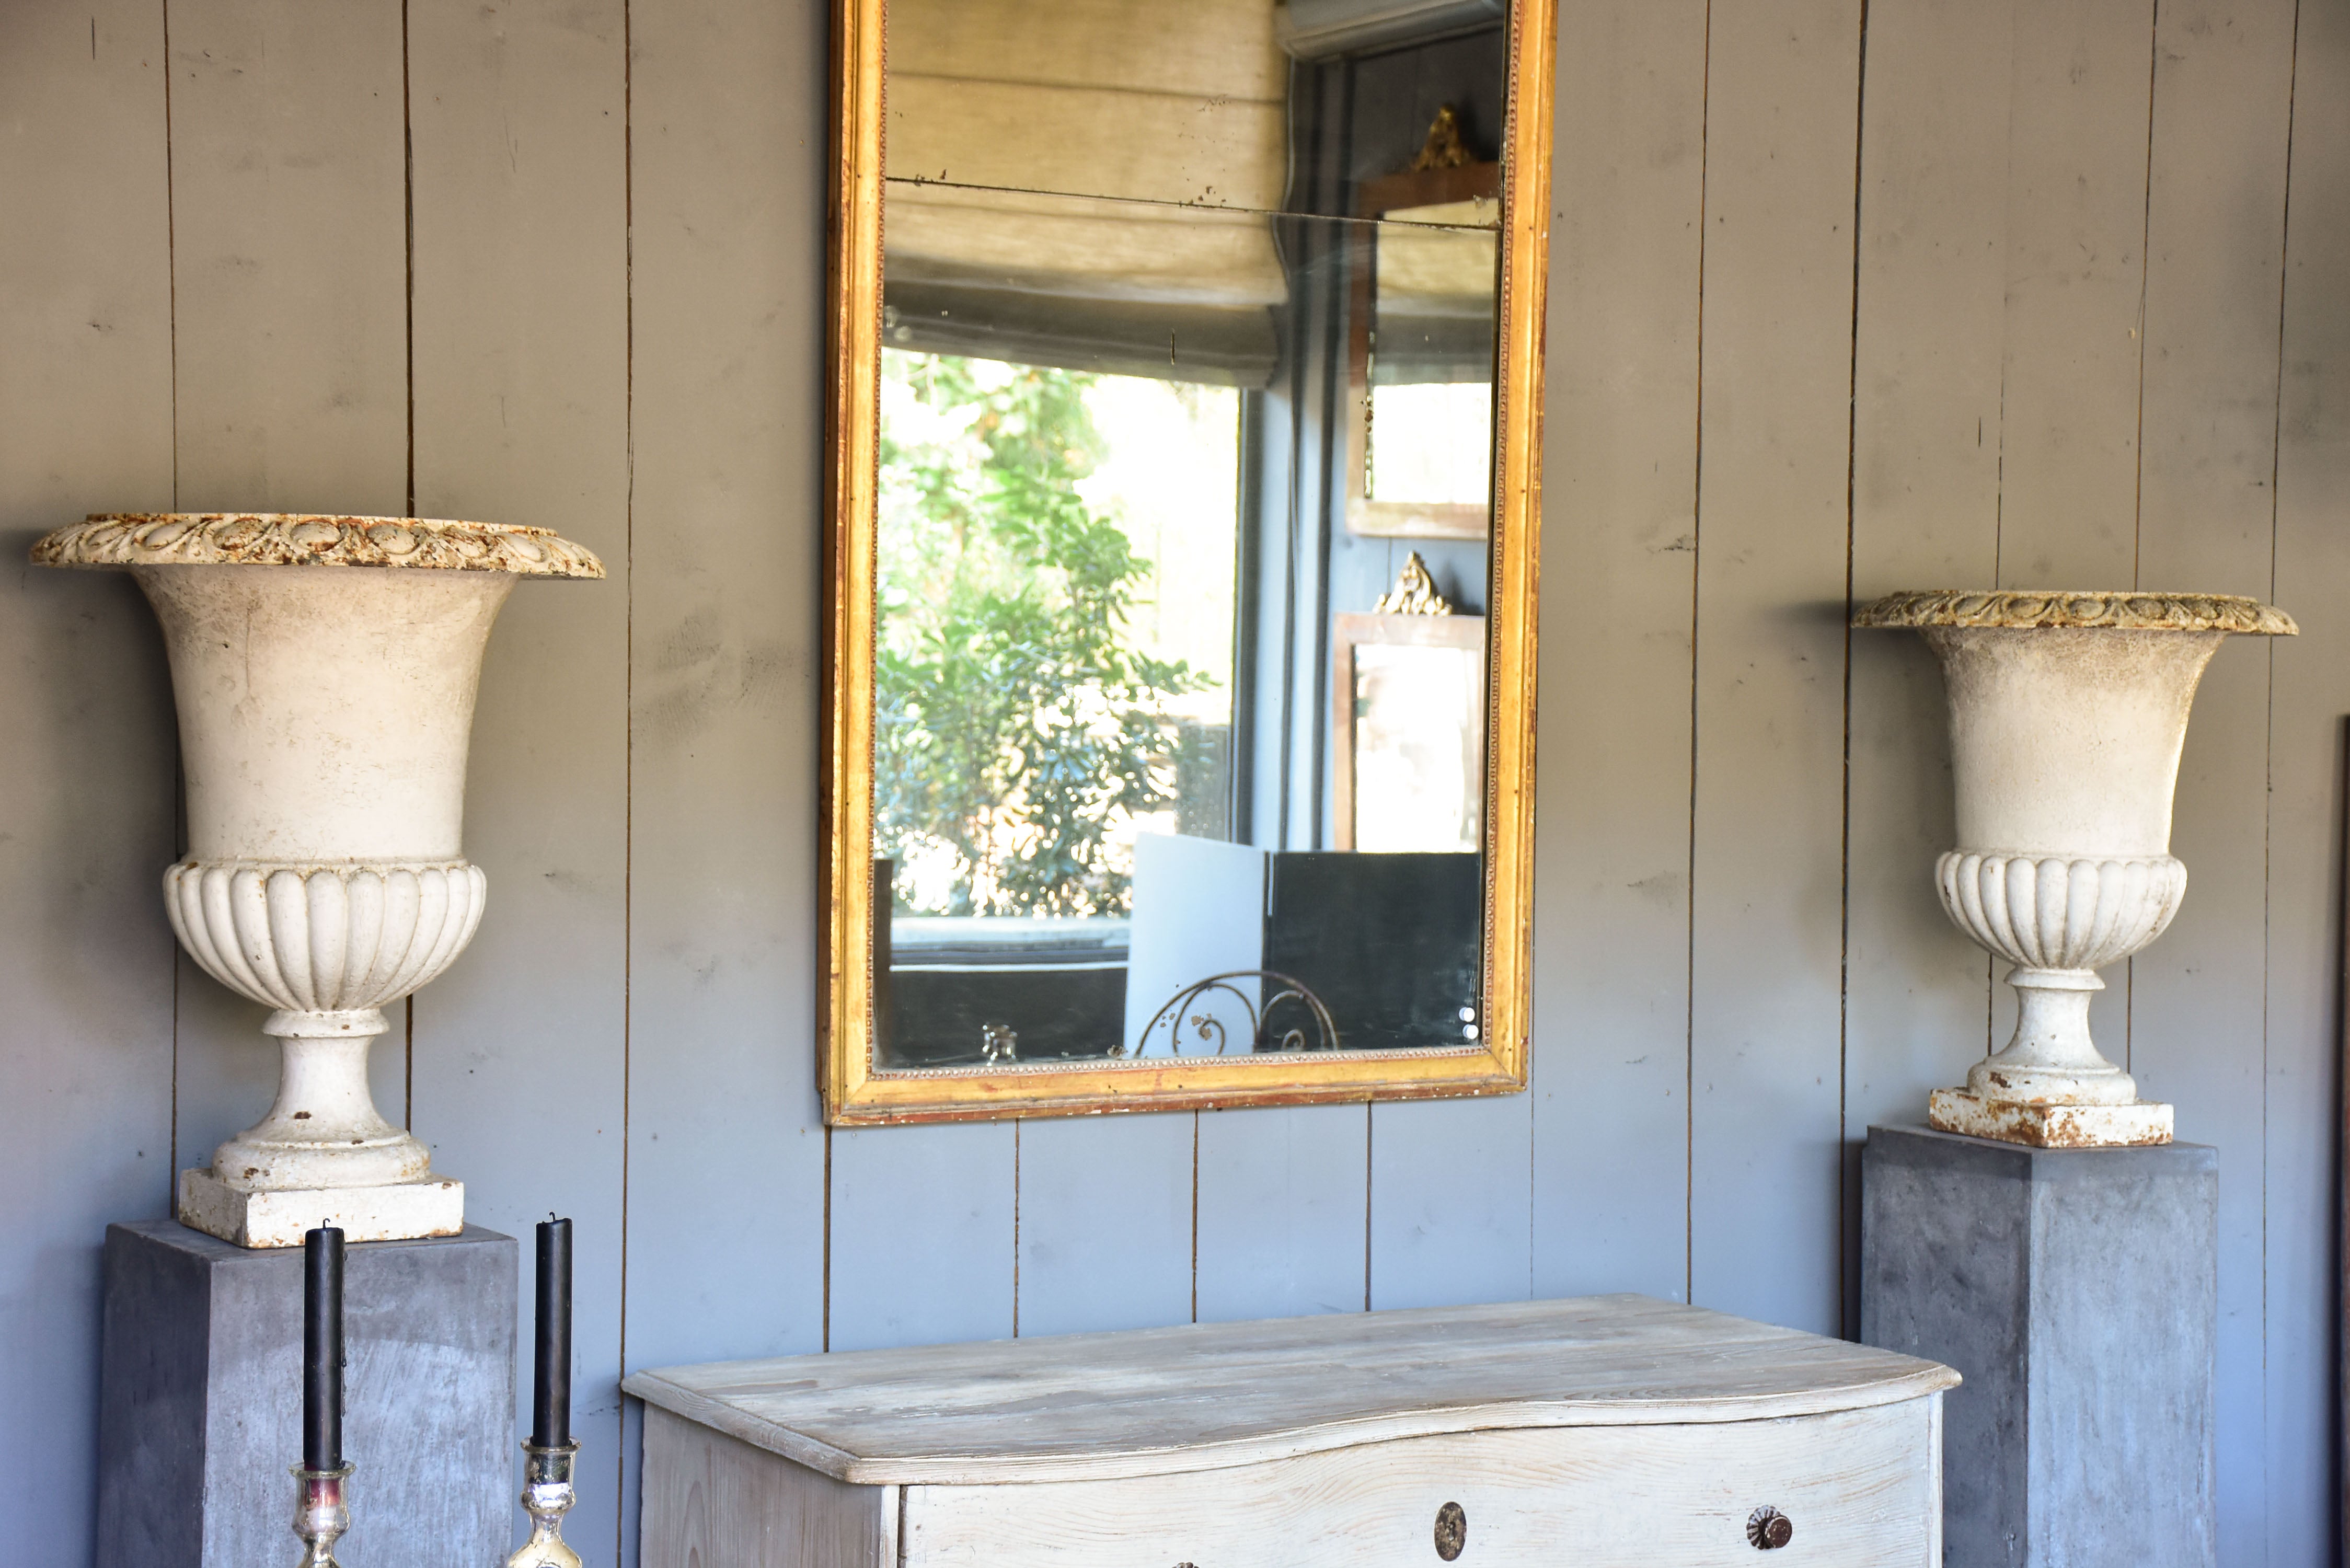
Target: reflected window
[1430,444]
[1429,417]
[1419,747]
[1056,639]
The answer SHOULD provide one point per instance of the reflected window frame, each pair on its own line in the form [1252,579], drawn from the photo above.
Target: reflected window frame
[856,1090]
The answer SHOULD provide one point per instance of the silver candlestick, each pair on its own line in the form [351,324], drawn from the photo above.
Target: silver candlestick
[547,1496]
[321,1514]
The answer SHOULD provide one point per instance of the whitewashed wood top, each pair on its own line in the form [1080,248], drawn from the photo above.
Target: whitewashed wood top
[1208,1396]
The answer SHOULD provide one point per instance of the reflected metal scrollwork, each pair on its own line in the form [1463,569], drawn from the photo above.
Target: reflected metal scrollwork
[1209,1027]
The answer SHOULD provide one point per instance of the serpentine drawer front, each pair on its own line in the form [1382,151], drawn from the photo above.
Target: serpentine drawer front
[1611,1430]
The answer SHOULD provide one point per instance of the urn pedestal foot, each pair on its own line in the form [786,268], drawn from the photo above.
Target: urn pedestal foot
[2136,1125]
[394,1211]
[323,1155]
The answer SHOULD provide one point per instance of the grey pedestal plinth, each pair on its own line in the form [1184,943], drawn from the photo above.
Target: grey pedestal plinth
[200,1408]
[2078,1293]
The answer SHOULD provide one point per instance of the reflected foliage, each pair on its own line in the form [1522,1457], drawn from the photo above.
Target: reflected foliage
[1017,724]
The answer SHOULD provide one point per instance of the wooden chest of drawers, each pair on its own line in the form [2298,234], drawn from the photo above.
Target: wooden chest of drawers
[1594,1432]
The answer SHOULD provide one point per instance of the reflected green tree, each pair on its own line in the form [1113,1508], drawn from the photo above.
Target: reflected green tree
[1015,719]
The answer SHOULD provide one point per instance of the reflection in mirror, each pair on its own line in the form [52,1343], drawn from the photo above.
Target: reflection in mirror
[1428,431]
[1419,734]
[1179,746]
[1130,98]
[1419,363]
[1411,743]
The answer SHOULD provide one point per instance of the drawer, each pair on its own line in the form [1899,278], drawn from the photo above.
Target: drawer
[1859,1488]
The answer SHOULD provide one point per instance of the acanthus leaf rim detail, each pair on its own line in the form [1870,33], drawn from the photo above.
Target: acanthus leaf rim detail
[312,539]
[2109,608]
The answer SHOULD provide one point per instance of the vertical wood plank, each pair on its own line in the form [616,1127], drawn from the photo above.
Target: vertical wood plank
[86,961]
[2215,266]
[290,255]
[290,283]
[921,1235]
[1449,1182]
[1928,324]
[2078,143]
[726,1199]
[1610,1186]
[2075,280]
[1282,1205]
[1767,906]
[1106,1208]
[2311,694]
[1451,1202]
[517,112]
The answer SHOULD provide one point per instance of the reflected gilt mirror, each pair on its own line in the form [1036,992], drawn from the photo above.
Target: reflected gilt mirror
[1182,552]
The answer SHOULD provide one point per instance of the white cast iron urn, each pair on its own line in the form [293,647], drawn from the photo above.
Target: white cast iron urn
[2067,714]
[325,670]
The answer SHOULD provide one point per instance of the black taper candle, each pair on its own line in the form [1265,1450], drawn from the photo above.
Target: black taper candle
[550,1405]
[322,1350]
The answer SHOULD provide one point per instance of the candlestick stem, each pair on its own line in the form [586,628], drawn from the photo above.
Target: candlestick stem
[321,1513]
[547,1496]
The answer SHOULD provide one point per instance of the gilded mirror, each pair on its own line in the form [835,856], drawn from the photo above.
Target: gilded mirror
[1182,552]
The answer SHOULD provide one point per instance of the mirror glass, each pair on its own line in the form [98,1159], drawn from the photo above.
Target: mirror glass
[1189,326]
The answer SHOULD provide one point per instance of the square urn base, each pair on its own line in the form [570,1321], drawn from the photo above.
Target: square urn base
[404,1212]
[200,1401]
[2076,1291]
[2137,1125]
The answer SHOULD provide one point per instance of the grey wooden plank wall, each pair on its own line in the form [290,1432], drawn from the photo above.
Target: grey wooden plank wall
[1845,298]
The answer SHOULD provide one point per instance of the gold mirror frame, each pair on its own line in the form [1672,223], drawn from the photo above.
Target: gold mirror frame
[854,1094]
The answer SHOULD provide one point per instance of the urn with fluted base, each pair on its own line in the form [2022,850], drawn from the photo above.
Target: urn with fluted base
[325,670]
[2068,713]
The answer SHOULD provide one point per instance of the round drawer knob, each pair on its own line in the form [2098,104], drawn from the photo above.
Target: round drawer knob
[1768,1529]
[1452,1531]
